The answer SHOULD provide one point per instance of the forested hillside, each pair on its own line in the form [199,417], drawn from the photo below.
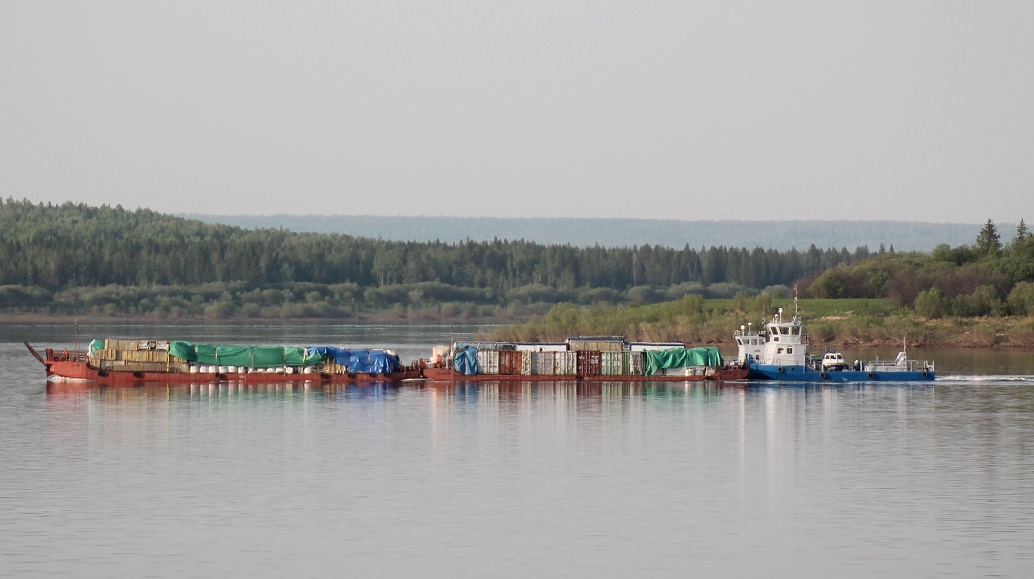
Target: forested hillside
[989,277]
[74,257]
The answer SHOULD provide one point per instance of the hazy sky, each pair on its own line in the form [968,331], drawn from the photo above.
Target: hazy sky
[906,110]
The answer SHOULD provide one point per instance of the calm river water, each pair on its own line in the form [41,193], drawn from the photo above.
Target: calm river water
[667,480]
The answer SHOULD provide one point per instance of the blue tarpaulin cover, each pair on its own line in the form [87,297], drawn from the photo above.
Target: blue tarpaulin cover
[365,361]
[466,361]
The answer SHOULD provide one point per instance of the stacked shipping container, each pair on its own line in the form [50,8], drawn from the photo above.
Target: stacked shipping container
[583,356]
[569,363]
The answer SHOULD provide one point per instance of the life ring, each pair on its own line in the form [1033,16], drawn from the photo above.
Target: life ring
[780,369]
[871,375]
[325,376]
[822,374]
[926,374]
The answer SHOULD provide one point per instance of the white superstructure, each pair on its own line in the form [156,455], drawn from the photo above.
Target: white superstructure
[780,343]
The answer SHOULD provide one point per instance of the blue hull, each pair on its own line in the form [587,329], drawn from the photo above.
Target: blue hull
[806,374]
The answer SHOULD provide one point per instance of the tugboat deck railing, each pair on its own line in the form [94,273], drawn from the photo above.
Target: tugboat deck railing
[902,366]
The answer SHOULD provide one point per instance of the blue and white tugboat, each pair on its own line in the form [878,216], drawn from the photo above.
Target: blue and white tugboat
[779,351]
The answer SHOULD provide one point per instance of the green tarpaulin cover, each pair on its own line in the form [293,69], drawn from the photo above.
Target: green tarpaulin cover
[657,360]
[247,356]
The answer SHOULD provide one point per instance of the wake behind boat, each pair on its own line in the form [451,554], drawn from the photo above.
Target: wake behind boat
[779,351]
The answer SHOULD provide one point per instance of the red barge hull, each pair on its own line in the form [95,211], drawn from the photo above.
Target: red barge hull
[451,375]
[84,372]
[75,366]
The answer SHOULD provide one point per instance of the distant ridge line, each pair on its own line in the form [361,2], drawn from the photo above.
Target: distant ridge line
[622,232]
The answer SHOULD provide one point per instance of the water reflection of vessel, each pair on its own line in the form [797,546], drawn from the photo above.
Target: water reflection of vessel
[779,351]
[586,359]
[133,361]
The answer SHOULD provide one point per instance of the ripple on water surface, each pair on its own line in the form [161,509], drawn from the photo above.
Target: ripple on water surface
[515,479]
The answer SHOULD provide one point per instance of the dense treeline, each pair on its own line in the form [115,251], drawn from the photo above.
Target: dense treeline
[78,259]
[987,278]
[58,250]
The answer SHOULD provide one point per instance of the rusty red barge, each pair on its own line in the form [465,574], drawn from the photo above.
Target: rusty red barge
[121,361]
[593,359]
[587,359]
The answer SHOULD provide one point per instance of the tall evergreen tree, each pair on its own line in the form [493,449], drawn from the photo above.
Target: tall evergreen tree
[1021,231]
[988,240]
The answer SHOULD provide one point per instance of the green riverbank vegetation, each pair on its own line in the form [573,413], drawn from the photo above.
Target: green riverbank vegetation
[830,322]
[78,261]
[978,295]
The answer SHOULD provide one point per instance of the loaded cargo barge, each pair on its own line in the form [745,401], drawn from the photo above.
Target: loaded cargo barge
[121,361]
[587,359]
[133,361]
